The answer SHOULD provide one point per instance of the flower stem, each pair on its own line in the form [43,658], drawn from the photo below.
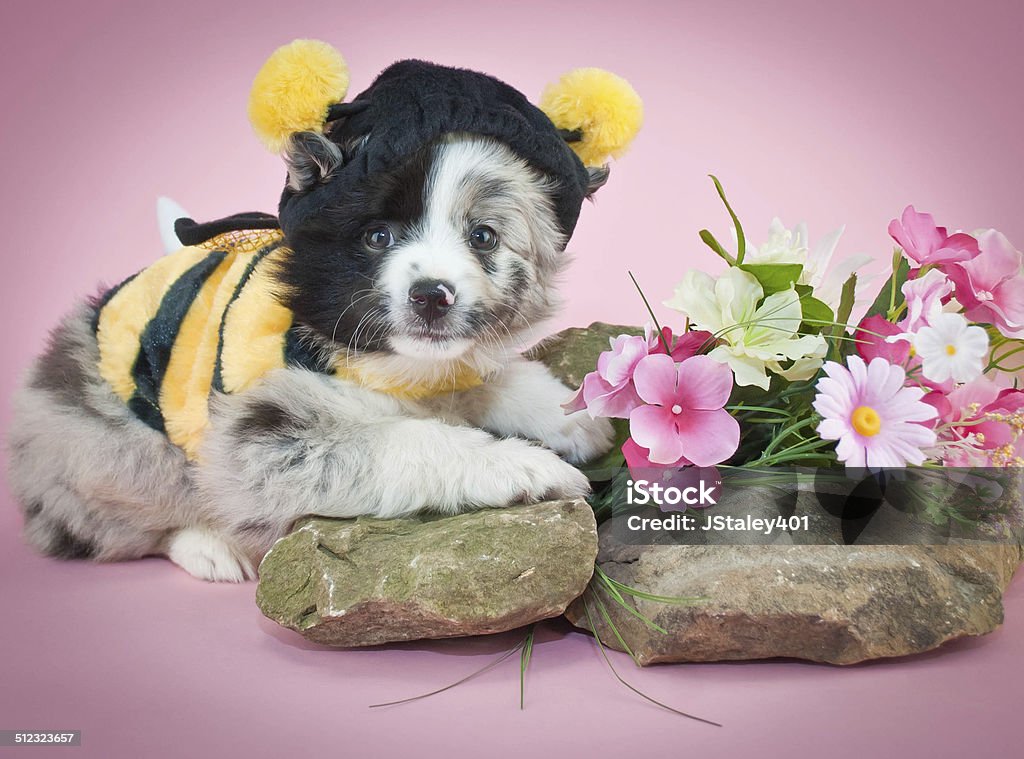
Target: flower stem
[661,336]
[786,432]
[897,255]
[793,453]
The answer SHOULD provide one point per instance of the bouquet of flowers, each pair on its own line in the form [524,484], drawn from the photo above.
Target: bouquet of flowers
[769,370]
[768,367]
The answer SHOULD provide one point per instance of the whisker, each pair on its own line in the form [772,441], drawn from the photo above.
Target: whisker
[369,292]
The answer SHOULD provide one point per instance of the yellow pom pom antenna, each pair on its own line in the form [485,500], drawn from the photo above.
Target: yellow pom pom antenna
[294,89]
[603,107]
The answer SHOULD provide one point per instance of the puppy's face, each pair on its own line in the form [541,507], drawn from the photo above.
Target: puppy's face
[455,251]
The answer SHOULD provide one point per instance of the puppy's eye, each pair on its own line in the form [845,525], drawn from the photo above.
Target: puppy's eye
[483,238]
[379,237]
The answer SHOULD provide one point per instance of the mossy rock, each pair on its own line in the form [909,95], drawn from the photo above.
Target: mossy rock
[573,352]
[361,582]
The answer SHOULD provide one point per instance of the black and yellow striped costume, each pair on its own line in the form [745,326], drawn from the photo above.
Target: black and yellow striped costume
[205,318]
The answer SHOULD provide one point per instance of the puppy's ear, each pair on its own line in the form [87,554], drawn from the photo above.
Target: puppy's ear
[311,159]
[596,177]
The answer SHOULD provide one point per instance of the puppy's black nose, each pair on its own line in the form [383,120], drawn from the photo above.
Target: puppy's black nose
[431,299]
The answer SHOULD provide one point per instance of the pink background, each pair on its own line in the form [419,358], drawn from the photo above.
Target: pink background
[828,112]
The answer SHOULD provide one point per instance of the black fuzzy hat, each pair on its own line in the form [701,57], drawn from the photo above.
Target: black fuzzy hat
[585,118]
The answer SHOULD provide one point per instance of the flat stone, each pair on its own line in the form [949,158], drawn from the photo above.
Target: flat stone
[826,603]
[362,582]
[793,595]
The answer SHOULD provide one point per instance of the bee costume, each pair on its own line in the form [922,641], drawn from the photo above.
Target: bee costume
[210,317]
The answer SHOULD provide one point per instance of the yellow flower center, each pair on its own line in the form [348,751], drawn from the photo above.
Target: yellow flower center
[950,350]
[866,421]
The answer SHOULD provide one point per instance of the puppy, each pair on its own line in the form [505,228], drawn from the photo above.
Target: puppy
[360,360]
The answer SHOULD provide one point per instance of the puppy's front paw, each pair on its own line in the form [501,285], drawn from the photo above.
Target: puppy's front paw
[523,472]
[553,479]
[582,438]
[207,557]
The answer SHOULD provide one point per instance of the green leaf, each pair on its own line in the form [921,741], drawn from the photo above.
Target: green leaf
[752,394]
[816,313]
[814,310]
[837,332]
[603,467]
[774,277]
[891,294]
[741,241]
[711,242]
[846,300]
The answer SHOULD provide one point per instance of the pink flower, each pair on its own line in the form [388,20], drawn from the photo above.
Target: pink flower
[679,474]
[876,420]
[926,243]
[687,344]
[875,339]
[991,286]
[685,418]
[986,425]
[943,408]
[609,391]
[638,458]
[871,341]
[925,296]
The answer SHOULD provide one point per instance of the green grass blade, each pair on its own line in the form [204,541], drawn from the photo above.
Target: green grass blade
[635,612]
[763,409]
[664,342]
[637,593]
[486,668]
[524,663]
[613,627]
[608,661]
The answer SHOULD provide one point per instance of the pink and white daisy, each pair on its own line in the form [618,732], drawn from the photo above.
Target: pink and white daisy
[876,420]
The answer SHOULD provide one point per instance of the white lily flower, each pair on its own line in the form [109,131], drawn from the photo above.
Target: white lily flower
[792,246]
[949,347]
[754,339]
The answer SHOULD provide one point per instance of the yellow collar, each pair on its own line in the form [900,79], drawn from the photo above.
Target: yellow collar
[462,377]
